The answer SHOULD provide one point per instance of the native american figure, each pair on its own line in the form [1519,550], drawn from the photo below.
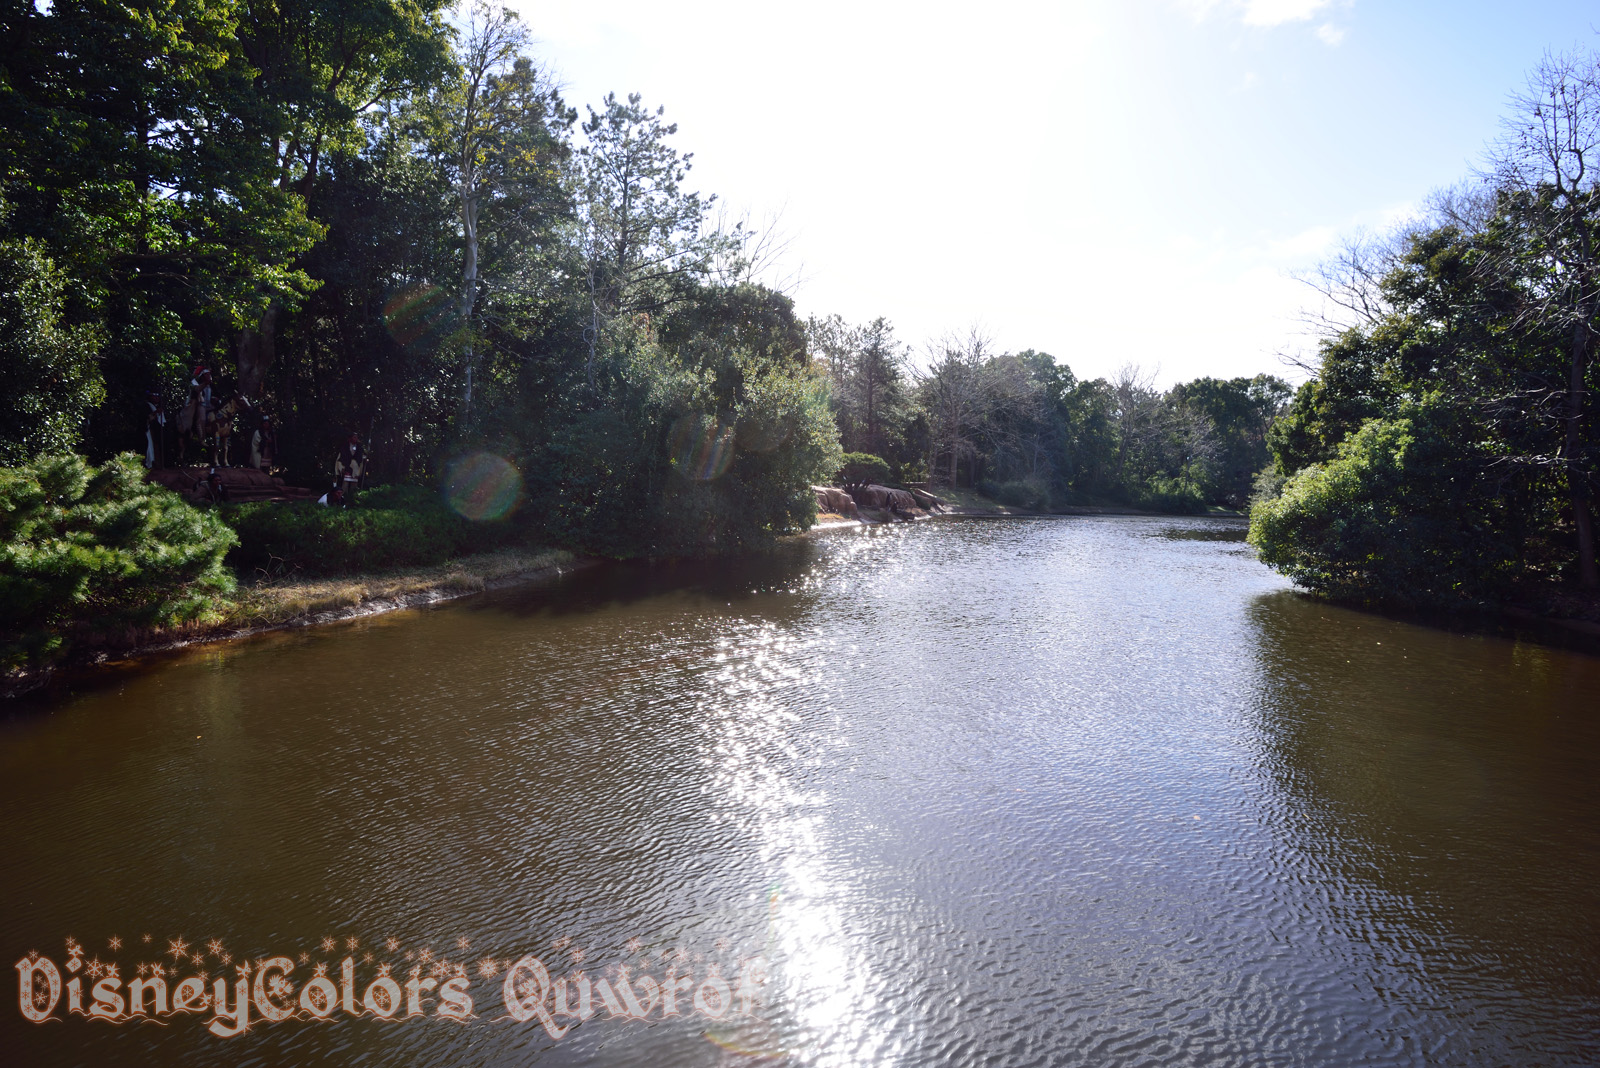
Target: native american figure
[347,471]
[196,417]
[155,428]
[264,445]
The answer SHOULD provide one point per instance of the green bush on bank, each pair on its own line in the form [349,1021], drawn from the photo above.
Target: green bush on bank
[862,469]
[1023,494]
[85,551]
[392,527]
[1179,496]
[1403,516]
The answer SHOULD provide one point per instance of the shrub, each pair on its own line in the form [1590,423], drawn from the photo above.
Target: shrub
[1024,494]
[394,526]
[862,469]
[1402,516]
[1180,496]
[85,551]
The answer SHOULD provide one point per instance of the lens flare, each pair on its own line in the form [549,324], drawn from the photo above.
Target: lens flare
[702,447]
[419,316]
[483,486]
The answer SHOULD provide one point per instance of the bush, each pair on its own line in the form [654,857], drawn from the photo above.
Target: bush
[1180,496]
[85,551]
[1031,495]
[694,450]
[1402,517]
[862,469]
[393,526]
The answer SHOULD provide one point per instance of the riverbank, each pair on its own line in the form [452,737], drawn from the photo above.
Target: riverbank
[281,604]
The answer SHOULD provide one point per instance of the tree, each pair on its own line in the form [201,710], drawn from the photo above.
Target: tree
[876,384]
[49,381]
[1546,169]
[499,122]
[645,237]
[1405,515]
[1240,412]
[316,67]
[955,393]
[142,167]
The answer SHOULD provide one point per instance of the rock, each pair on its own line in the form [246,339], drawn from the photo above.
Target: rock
[242,484]
[890,500]
[836,501]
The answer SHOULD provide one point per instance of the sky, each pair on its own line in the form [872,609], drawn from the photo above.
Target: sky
[1110,182]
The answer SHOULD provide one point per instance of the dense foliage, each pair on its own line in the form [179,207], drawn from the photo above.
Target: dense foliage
[396,526]
[1444,454]
[1404,514]
[95,550]
[381,216]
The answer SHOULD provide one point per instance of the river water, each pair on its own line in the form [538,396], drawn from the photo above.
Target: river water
[1096,791]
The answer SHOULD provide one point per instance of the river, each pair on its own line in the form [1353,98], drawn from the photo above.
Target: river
[1087,791]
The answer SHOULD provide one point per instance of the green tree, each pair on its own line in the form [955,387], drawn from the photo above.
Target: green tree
[499,128]
[1240,411]
[316,69]
[49,380]
[133,153]
[1406,514]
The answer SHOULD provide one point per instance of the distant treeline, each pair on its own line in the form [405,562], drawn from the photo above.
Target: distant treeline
[381,216]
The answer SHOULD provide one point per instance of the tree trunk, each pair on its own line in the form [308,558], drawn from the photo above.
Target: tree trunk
[257,347]
[469,289]
[1578,475]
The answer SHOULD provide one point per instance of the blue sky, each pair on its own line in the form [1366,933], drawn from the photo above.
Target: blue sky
[1109,182]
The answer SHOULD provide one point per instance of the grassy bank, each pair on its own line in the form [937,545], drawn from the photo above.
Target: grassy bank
[281,602]
[270,604]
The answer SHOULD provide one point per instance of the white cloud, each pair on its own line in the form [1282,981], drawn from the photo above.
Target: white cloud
[1261,12]
[1330,34]
[1277,12]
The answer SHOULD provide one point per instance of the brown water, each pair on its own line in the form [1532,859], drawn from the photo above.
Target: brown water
[1081,791]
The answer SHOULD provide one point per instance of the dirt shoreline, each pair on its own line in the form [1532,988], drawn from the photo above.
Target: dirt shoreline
[278,605]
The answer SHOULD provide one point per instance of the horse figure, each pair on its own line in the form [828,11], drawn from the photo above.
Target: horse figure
[207,423]
[222,426]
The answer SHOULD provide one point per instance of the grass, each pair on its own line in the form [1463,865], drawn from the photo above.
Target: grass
[275,602]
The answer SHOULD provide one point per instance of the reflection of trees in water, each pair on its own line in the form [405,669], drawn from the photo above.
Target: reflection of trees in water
[1452,779]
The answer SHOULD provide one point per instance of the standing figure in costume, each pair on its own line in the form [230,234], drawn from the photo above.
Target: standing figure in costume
[195,421]
[264,445]
[155,425]
[347,469]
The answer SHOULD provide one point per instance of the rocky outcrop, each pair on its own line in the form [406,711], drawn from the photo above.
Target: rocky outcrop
[238,483]
[835,502]
[882,497]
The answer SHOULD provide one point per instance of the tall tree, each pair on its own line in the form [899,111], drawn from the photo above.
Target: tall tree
[317,67]
[956,394]
[1547,168]
[134,152]
[500,125]
[646,241]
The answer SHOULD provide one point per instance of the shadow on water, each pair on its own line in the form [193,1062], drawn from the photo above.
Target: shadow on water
[1448,782]
[625,582]
[612,584]
[1213,531]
